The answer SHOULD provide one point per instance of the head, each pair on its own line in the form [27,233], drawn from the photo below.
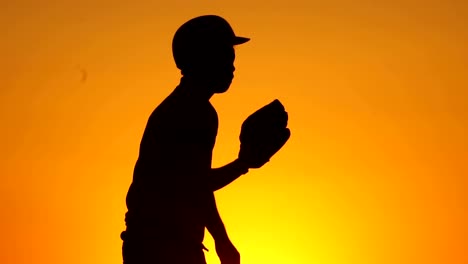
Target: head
[203,49]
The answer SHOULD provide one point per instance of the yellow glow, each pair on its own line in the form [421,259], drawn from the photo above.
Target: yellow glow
[375,170]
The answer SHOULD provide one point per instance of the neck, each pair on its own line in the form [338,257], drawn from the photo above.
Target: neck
[197,89]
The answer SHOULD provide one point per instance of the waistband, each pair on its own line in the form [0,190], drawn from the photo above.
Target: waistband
[161,241]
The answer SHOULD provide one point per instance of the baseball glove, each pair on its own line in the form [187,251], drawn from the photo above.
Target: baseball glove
[263,133]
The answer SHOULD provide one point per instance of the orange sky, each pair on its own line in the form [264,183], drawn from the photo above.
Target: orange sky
[375,171]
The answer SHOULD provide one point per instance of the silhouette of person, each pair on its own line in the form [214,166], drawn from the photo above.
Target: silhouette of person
[170,200]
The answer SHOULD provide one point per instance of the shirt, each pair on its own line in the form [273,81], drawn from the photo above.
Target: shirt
[168,194]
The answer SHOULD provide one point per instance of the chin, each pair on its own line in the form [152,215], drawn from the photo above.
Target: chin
[222,87]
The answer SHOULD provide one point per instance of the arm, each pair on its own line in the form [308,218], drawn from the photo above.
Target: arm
[214,223]
[220,177]
[226,251]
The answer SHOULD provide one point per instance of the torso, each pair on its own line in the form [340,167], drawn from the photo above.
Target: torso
[167,195]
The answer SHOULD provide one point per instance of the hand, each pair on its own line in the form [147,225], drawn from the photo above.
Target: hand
[256,154]
[227,253]
[252,156]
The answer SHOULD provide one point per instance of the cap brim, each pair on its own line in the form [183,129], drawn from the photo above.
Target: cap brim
[240,40]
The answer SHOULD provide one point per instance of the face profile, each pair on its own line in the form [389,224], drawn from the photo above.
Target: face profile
[217,70]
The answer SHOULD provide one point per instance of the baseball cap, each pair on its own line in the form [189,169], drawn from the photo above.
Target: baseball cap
[202,32]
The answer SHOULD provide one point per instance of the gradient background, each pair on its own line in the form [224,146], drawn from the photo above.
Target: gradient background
[377,92]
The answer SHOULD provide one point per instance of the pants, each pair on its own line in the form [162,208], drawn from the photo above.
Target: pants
[150,250]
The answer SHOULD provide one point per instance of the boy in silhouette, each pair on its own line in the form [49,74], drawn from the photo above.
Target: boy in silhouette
[170,200]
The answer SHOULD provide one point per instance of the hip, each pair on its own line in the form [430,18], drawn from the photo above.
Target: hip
[155,250]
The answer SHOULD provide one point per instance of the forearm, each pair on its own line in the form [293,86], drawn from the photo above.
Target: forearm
[214,223]
[220,177]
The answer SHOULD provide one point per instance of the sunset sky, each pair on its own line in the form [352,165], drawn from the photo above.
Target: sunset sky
[375,172]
